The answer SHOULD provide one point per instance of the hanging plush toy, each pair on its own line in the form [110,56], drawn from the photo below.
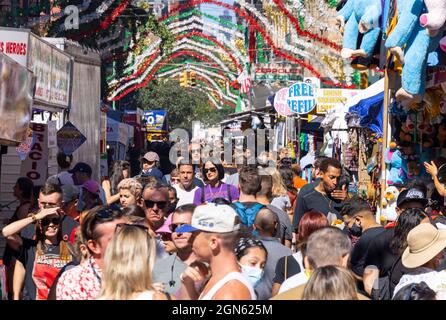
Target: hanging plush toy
[396,165]
[361,16]
[435,19]
[411,44]
[389,204]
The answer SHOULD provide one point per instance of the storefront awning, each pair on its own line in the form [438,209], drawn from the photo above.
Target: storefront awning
[367,107]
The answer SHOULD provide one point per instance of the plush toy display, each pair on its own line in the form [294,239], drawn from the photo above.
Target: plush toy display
[417,44]
[361,16]
[388,212]
[435,19]
[396,165]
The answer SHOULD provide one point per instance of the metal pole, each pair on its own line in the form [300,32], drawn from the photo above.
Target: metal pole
[298,136]
[385,140]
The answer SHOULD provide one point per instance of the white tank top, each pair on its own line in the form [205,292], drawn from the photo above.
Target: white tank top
[230,276]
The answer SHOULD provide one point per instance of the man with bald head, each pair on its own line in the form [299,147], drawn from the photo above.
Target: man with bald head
[266,224]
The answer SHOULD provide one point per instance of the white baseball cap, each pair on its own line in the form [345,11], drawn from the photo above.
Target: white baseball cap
[212,217]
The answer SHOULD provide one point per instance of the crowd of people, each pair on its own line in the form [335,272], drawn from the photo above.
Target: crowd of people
[201,232]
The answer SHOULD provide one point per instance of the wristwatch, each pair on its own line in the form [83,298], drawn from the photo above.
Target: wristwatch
[33,218]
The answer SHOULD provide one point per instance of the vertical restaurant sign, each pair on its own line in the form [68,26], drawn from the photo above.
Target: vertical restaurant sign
[14,44]
[35,165]
[301,98]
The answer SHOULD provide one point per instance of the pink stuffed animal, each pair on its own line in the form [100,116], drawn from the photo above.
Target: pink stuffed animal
[435,19]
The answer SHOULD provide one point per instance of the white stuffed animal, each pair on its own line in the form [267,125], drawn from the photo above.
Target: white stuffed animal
[389,206]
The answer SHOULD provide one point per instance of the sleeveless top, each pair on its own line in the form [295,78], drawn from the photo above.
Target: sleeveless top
[230,276]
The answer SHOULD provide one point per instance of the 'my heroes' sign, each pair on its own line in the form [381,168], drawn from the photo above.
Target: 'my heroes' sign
[301,98]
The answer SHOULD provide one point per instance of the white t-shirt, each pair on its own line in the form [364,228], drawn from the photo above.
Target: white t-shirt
[436,280]
[184,197]
[294,281]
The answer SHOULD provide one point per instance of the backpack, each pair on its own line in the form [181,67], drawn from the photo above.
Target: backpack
[247,215]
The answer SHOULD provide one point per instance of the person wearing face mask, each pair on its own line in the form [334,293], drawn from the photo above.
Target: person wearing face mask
[360,221]
[251,255]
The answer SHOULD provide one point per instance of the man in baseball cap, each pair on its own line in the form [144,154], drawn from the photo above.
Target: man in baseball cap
[150,163]
[411,198]
[215,229]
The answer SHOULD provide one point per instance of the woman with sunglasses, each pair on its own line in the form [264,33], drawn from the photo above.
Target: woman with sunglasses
[128,264]
[213,173]
[44,256]
[121,171]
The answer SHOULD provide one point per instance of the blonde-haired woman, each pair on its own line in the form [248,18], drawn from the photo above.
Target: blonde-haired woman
[128,264]
[330,283]
[130,192]
[280,198]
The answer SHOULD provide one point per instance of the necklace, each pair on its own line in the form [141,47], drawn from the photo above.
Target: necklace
[94,271]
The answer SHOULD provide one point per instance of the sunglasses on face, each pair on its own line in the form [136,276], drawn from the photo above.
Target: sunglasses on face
[195,150]
[213,170]
[47,221]
[120,226]
[159,204]
[174,226]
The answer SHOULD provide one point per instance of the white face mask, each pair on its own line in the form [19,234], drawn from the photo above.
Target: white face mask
[252,274]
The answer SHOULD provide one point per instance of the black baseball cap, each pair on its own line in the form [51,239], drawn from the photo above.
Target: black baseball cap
[81,167]
[412,195]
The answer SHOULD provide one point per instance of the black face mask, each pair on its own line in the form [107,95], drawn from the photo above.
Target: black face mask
[355,230]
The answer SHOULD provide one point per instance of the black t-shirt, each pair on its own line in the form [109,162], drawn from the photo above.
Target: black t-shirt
[303,191]
[41,272]
[315,201]
[380,255]
[360,249]
[293,268]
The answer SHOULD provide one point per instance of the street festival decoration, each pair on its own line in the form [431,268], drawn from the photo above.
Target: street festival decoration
[69,138]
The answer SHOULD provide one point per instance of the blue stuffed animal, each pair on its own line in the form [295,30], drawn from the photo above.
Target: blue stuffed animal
[396,165]
[361,16]
[411,44]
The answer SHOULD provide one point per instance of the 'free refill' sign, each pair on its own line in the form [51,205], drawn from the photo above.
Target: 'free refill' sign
[301,98]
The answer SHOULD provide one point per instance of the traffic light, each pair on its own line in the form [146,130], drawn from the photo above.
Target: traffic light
[193,78]
[184,81]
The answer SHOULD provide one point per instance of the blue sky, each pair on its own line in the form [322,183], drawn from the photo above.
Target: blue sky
[217,10]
